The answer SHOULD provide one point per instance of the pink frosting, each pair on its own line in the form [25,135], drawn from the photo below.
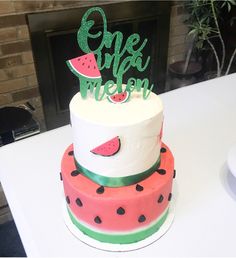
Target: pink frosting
[105,205]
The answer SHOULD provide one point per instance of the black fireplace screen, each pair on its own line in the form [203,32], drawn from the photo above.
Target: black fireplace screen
[54,42]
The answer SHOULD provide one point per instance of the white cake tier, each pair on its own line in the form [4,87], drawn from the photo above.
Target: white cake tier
[137,122]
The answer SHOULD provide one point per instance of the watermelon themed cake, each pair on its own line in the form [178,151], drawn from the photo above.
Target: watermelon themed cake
[117,174]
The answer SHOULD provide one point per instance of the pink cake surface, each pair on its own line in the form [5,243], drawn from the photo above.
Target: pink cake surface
[118,209]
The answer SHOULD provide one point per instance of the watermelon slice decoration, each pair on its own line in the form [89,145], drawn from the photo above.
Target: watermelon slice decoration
[85,66]
[119,97]
[108,148]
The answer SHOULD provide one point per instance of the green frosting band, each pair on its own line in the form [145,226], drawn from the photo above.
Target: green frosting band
[117,181]
[120,238]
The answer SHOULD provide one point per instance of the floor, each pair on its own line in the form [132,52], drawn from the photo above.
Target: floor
[10,242]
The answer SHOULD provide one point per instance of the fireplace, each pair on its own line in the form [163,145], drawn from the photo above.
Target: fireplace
[53,39]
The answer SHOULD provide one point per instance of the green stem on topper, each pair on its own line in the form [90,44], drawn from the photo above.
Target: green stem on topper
[119,84]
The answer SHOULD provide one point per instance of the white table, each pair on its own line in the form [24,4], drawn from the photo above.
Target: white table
[200,128]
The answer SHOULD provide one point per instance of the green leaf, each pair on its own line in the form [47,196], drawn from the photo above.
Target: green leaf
[199,44]
[224,3]
[232,20]
[233,2]
[192,32]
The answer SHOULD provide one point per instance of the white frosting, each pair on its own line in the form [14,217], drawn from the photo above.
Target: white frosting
[137,122]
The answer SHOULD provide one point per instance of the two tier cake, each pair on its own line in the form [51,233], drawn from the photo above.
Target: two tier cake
[117,174]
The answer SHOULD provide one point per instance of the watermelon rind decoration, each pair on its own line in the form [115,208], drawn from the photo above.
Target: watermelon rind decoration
[85,66]
[108,148]
[119,98]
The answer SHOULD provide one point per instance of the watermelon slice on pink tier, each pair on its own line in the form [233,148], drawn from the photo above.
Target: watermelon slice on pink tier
[119,97]
[108,148]
[85,66]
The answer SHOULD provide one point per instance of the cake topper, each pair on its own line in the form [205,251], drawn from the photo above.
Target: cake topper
[127,54]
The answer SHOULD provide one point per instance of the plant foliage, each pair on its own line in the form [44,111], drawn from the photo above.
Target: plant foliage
[203,23]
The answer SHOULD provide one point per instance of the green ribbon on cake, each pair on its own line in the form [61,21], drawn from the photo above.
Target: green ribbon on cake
[122,238]
[117,181]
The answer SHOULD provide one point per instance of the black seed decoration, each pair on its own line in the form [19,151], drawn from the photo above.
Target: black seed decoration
[82,63]
[174,175]
[68,199]
[163,150]
[100,190]
[75,173]
[71,153]
[120,211]
[97,220]
[61,176]
[161,171]
[141,218]
[170,197]
[139,188]
[161,198]
[78,202]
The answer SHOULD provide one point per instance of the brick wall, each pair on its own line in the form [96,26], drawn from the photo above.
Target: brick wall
[18,81]
[178,40]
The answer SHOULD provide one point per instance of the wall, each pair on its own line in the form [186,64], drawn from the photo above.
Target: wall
[178,33]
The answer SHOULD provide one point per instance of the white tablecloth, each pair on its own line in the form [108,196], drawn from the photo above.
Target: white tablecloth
[200,128]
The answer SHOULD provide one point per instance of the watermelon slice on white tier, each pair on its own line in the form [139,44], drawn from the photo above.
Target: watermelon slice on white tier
[108,148]
[85,66]
[121,97]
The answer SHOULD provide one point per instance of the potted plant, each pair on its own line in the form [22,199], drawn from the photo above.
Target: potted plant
[203,22]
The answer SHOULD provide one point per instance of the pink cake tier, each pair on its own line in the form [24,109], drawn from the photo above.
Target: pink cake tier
[118,215]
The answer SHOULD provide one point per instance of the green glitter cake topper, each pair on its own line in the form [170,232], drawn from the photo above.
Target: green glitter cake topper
[87,68]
